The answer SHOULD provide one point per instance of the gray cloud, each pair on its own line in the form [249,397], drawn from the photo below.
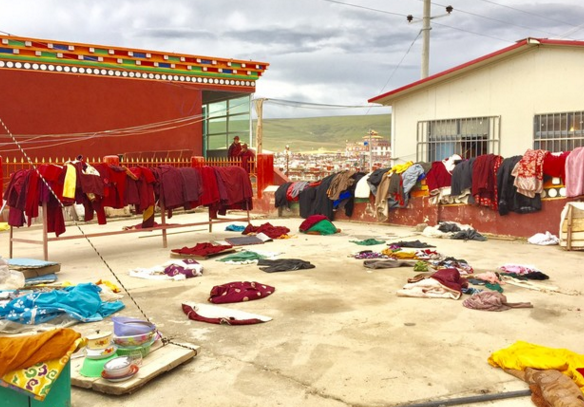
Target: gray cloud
[319,52]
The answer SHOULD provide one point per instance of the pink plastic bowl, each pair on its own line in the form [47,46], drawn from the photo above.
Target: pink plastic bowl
[133,340]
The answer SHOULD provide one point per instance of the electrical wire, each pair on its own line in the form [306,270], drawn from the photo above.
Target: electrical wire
[313,105]
[458,10]
[528,12]
[475,33]
[400,62]
[52,192]
[365,8]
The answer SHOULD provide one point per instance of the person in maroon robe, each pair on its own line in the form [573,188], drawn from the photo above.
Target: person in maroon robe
[235,148]
[247,158]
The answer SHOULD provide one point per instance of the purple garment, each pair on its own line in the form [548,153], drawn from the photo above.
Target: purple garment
[192,185]
[171,186]
[175,269]
[15,197]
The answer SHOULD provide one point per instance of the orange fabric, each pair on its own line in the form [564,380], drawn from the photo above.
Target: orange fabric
[23,352]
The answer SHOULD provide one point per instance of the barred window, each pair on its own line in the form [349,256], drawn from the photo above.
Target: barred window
[557,132]
[468,137]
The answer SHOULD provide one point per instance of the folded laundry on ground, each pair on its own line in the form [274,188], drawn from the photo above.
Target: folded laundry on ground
[550,388]
[388,264]
[491,286]
[400,254]
[214,314]
[448,227]
[544,239]
[81,302]
[177,269]
[492,301]
[518,268]
[244,240]
[450,262]
[234,228]
[489,277]
[318,225]
[272,266]
[369,254]
[445,283]
[412,243]
[367,242]
[469,234]
[243,257]
[267,229]
[22,352]
[37,380]
[536,275]
[202,249]
[239,291]
[522,355]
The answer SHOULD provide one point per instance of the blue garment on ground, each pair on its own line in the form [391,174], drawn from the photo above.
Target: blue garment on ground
[234,228]
[81,302]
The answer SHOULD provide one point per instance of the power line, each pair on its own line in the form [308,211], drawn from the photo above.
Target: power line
[314,105]
[475,33]
[366,8]
[458,10]
[528,12]
[400,62]
[403,15]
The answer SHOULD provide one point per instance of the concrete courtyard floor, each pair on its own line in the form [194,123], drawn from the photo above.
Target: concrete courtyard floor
[340,336]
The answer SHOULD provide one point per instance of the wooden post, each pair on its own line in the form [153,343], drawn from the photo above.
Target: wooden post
[569,231]
[259,106]
[45,233]
[163,223]
[11,242]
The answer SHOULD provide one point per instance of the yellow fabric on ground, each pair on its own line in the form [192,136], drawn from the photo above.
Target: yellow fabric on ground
[522,355]
[37,380]
[26,351]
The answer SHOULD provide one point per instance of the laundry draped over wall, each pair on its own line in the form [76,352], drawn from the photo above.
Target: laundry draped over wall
[505,185]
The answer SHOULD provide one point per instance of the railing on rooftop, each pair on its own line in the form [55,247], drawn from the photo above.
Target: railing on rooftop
[9,166]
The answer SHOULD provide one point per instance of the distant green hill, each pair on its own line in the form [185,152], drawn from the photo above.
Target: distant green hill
[325,133]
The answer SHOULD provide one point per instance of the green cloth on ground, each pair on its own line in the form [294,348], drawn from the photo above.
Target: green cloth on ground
[242,256]
[324,227]
[421,266]
[494,287]
[367,242]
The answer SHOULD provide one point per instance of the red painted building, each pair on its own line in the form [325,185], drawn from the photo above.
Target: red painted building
[62,99]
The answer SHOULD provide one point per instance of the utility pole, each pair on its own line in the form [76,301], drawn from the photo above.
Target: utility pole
[426,39]
[370,152]
[259,106]
[426,27]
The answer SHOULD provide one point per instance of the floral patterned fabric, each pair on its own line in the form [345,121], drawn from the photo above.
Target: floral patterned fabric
[36,381]
[528,173]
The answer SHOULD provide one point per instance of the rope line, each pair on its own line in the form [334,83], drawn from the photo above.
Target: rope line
[74,221]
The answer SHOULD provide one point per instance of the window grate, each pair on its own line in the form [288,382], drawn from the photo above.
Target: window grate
[467,137]
[557,132]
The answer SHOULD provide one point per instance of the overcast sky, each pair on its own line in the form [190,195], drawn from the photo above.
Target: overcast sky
[319,51]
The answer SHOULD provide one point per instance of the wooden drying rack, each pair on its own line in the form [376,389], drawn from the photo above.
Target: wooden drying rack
[163,227]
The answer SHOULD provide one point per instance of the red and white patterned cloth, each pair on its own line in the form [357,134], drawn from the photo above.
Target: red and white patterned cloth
[528,173]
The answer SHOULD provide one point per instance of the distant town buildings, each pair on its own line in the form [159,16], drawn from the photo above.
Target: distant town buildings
[372,145]
[311,167]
